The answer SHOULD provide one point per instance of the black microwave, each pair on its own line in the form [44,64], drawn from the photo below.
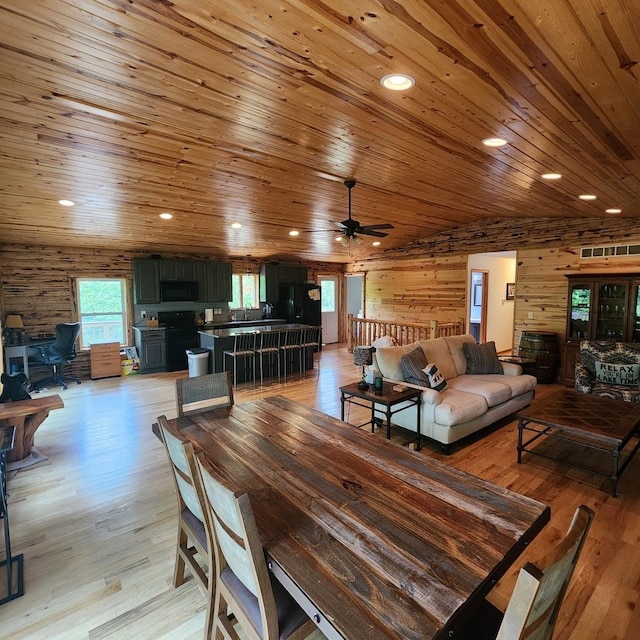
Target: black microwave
[178,291]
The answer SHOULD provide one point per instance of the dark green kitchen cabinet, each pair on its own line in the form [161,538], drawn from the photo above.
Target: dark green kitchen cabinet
[146,281]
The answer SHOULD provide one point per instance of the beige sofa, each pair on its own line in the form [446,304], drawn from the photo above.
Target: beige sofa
[468,403]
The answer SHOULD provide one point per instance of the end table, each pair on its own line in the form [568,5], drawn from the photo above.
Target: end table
[388,398]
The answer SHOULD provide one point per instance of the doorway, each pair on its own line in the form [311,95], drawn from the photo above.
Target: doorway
[478,305]
[329,307]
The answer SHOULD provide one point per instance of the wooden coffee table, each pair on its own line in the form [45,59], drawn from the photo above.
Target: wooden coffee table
[589,421]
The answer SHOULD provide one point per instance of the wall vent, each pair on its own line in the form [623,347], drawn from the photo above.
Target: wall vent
[614,251]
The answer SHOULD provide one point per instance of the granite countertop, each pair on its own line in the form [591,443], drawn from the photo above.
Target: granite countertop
[241,323]
[229,332]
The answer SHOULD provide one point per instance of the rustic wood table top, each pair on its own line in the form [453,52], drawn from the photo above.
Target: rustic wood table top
[386,542]
[604,419]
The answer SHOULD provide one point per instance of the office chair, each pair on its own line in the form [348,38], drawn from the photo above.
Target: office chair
[56,354]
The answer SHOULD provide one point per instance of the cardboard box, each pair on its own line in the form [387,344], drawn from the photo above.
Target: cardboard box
[130,366]
[129,361]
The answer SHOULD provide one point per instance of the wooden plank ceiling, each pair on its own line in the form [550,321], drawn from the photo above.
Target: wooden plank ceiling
[256,112]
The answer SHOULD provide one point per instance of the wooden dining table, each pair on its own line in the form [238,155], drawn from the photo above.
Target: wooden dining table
[372,539]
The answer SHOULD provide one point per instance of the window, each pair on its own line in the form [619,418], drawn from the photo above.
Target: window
[102,310]
[245,289]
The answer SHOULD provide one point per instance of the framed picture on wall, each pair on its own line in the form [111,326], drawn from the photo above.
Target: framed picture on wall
[511,291]
[477,294]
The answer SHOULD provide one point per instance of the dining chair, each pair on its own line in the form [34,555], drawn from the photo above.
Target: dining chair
[244,585]
[540,588]
[244,345]
[291,345]
[268,349]
[195,529]
[201,393]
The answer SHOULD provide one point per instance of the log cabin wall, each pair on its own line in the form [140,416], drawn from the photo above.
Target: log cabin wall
[428,279]
[36,282]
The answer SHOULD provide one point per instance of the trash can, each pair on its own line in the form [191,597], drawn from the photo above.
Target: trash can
[198,360]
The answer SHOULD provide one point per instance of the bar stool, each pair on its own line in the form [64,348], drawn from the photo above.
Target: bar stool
[291,344]
[244,346]
[309,343]
[268,349]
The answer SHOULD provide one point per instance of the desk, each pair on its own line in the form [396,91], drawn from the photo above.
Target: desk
[26,416]
[21,352]
[372,539]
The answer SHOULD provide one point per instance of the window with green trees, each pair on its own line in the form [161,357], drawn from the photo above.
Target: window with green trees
[102,310]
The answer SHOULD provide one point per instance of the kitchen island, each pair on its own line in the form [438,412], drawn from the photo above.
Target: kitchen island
[219,340]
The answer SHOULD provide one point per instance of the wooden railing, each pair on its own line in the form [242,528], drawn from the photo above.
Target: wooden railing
[365,330]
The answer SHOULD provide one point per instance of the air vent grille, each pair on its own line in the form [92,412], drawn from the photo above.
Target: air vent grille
[613,251]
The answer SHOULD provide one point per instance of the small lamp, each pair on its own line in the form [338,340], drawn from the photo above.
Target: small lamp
[13,321]
[363,357]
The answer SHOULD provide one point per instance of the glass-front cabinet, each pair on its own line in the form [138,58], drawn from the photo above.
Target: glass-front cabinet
[600,307]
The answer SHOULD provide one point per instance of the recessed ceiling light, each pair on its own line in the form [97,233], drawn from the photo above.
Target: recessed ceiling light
[376,243]
[66,203]
[397,81]
[293,232]
[494,142]
[236,225]
[614,210]
[551,176]
[338,238]
[586,196]
[166,216]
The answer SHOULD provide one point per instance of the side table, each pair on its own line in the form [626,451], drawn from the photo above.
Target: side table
[528,364]
[388,398]
[7,436]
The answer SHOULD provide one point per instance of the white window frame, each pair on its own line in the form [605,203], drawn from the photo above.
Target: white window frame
[239,276]
[123,315]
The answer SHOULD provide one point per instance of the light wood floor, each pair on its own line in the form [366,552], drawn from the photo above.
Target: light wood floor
[96,521]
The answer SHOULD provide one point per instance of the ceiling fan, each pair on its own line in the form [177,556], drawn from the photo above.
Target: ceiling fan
[352,229]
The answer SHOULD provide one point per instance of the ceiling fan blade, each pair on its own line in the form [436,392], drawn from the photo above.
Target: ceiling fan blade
[342,225]
[369,232]
[378,226]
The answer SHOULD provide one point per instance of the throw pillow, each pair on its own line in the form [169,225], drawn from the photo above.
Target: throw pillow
[625,374]
[482,358]
[384,341]
[436,378]
[412,364]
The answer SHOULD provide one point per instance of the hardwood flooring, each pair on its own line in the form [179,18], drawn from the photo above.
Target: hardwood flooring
[97,529]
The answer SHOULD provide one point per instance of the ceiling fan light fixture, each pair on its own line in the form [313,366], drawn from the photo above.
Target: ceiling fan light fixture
[344,241]
[357,240]
[397,81]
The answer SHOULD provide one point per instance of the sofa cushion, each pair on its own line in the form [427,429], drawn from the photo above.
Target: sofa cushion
[482,358]
[412,365]
[456,350]
[457,407]
[494,392]
[620,374]
[518,384]
[388,360]
[436,379]
[437,352]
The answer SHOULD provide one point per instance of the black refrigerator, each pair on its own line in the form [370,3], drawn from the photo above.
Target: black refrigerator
[299,303]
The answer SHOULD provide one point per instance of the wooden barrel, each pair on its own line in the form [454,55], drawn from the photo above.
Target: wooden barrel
[542,346]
